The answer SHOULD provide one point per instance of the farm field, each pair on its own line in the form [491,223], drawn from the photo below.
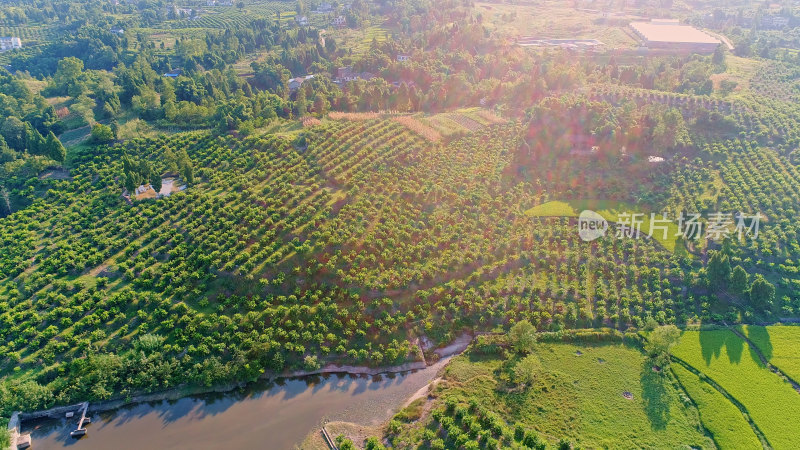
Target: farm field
[719,416]
[461,121]
[360,40]
[725,358]
[779,344]
[365,200]
[231,17]
[552,19]
[577,395]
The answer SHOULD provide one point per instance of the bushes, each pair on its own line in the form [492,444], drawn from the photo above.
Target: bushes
[489,344]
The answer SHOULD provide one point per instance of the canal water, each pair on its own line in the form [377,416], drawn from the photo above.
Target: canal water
[264,415]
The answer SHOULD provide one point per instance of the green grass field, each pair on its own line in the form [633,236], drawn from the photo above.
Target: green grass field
[580,396]
[725,358]
[720,417]
[610,210]
[779,344]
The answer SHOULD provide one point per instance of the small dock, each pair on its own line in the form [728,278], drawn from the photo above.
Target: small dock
[328,439]
[81,430]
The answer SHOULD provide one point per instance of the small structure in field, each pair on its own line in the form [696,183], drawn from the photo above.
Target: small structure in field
[168,186]
[173,73]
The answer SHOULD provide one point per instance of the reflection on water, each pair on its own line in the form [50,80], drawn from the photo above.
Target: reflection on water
[264,415]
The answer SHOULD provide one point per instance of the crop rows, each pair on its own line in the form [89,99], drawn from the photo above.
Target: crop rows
[234,18]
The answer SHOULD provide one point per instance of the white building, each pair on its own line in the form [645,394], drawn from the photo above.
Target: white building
[403,57]
[339,21]
[295,83]
[324,7]
[9,43]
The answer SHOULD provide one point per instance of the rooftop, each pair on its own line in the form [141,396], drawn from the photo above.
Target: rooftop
[663,31]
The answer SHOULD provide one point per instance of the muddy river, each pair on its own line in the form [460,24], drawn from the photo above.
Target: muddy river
[264,415]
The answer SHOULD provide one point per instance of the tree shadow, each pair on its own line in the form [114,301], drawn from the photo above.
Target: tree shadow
[712,342]
[656,396]
[734,346]
[710,346]
[760,337]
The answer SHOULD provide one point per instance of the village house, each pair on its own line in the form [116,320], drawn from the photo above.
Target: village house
[175,73]
[295,83]
[402,57]
[346,74]
[339,21]
[9,43]
[302,21]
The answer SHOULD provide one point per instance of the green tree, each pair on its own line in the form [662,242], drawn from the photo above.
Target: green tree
[102,134]
[185,166]
[300,103]
[67,74]
[762,293]
[718,269]
[13,131]
[738,284]
[660,342]
[522,336]
[34,141]
[55,149]
[155,180]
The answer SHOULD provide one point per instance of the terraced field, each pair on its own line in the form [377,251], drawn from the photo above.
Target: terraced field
[772,404]
[780,345]
[720,417]
[231,17]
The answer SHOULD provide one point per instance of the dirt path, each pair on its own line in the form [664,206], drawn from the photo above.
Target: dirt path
[459,345]
[422,392]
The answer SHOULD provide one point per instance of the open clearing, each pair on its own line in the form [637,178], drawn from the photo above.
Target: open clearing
[581,397]
[555,19]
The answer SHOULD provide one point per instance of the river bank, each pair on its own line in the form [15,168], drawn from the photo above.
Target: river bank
[294,379]
[358,428]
